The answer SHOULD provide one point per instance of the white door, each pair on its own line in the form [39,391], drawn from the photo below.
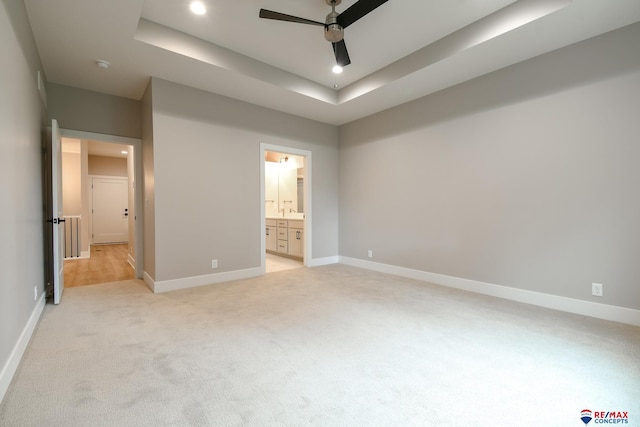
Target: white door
[110,223]
[58,221]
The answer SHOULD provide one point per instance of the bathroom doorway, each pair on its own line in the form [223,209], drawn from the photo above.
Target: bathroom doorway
[286,209]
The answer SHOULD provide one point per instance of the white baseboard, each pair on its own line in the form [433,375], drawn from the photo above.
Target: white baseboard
[570,305]
[10,367]
[132,261]
[206,279]
[317,262]
[148,281]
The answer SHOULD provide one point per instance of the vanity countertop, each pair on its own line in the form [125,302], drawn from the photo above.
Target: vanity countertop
[298,217]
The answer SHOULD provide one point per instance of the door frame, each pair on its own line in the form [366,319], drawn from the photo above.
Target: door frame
[138,222]
[307,203]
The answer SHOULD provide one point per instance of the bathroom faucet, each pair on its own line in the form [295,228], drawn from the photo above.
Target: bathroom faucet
[284,209]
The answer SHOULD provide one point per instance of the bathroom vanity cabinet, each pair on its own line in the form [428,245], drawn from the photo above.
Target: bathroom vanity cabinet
[285,237]
[296,238]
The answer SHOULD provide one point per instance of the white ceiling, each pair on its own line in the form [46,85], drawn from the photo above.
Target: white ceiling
[107,149]
[403,50]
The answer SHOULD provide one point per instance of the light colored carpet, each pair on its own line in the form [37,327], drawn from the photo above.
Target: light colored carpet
[327,346]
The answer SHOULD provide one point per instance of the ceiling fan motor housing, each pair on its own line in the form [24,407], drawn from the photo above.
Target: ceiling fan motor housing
[333,31]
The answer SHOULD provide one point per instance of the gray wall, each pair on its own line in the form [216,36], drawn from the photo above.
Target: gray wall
[206,152]
[527,177]
[149,199]
[21,124]
[88,111]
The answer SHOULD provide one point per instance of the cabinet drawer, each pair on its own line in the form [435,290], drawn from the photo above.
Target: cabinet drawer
[296,224]
[282,233]
[270,222]
[282,246]
[282,223]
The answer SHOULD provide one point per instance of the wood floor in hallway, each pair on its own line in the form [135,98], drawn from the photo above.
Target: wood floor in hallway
[108,263]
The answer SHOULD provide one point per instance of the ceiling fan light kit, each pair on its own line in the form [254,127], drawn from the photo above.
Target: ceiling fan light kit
[334,24]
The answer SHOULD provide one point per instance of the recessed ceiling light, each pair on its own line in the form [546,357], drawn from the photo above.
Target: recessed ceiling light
[336,69]
[198,8]
[103,64]
[124,152]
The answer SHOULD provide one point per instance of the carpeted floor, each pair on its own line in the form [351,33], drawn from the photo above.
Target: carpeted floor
[326,346]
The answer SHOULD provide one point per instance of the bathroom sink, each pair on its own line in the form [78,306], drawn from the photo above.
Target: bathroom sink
[294,215]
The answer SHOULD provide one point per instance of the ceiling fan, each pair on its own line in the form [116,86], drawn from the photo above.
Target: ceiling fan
[334,24]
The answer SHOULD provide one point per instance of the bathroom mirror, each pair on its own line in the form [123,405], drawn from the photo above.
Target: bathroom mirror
[284,185]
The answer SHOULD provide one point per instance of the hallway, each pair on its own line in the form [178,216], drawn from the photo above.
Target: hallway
[108,263]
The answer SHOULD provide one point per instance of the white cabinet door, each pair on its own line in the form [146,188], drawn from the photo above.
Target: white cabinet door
[272,238]
[296,242]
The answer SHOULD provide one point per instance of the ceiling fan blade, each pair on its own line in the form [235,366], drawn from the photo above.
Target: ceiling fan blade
[357,11]
[342,56]
[269,14]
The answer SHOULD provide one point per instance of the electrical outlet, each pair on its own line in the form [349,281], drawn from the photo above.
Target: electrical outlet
[370,253]
[597,289]
[214,263]
[35,292]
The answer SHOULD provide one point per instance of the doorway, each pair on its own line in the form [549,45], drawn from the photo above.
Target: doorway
[108,196]
[285,183]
